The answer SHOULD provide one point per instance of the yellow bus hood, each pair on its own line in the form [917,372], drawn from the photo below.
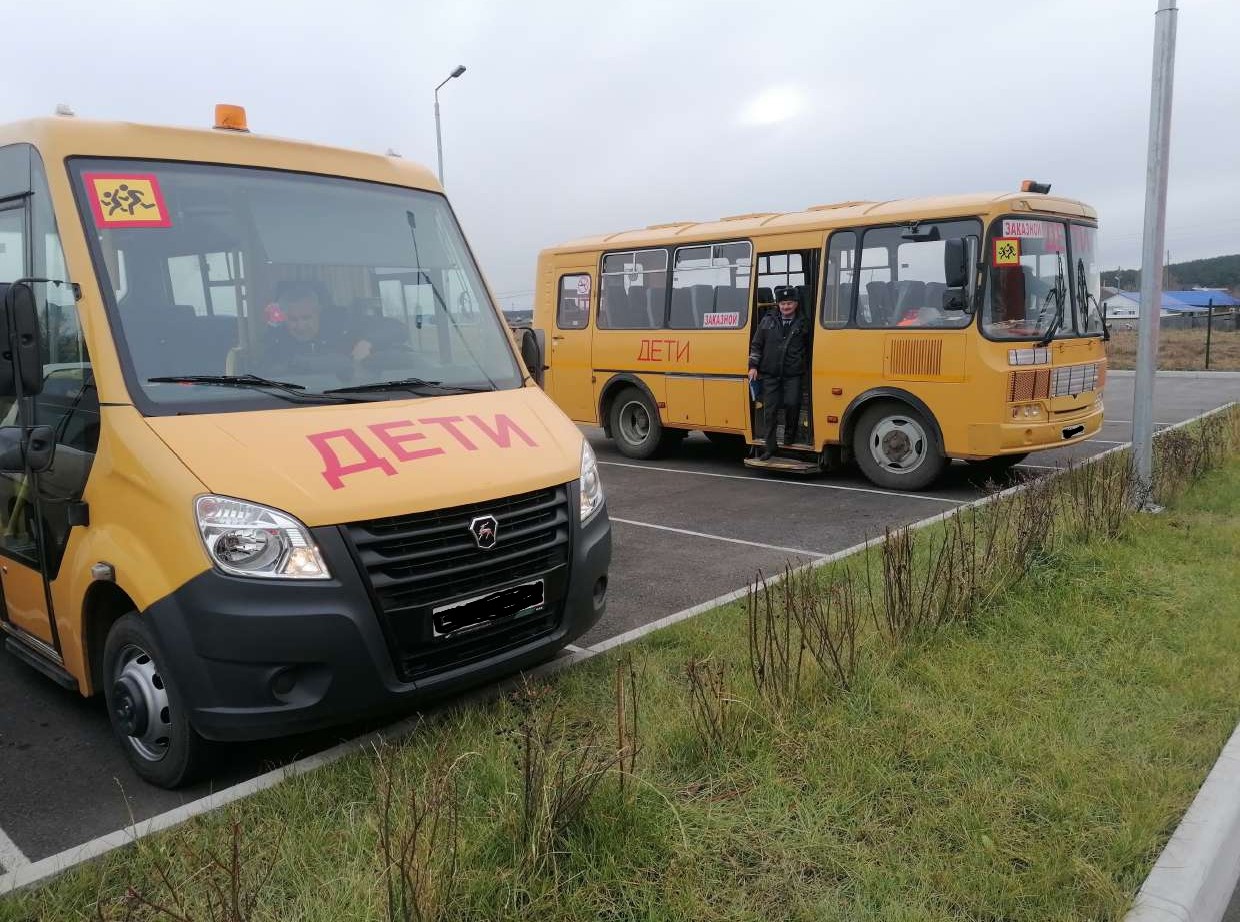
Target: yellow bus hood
[348,462]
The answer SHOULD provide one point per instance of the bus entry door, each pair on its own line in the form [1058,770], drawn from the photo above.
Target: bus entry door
[570,381]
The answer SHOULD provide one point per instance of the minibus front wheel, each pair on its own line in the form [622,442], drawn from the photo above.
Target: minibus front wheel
[148,714]
[636,427]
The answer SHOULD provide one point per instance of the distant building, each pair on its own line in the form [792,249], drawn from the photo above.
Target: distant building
[1180,309]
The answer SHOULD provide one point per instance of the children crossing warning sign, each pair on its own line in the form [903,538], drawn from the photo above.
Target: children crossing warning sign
[126,200]
[1007,251]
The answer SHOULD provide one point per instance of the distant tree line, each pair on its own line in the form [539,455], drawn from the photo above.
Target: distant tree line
[1215,272]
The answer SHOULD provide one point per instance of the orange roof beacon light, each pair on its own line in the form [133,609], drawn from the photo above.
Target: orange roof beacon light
[230,118]
[1029,185]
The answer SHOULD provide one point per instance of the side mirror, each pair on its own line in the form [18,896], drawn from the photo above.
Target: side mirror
[956,262]
[533,352]
[956,299]
[21,346]
[21,450]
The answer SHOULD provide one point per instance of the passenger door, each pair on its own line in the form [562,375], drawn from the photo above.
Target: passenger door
[38,511]
[570,381]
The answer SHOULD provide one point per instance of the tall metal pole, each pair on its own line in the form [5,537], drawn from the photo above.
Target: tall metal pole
[438,135]
[1152,246]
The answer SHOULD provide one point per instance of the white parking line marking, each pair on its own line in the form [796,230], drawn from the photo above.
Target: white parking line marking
[792,483]
[701,534]
[573,648]
[1106,441]
[1041,467]
[11,857]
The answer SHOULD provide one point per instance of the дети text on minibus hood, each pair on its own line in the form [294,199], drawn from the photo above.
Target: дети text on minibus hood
[332,464]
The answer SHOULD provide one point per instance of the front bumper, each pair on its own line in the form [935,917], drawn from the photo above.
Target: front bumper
[987,441]
[255,659]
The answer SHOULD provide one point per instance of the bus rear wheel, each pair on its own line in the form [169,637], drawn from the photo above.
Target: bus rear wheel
[896,447]
[636,427]
[148,714]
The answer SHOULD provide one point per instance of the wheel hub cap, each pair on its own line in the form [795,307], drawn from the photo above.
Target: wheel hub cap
[898,444]
[140,704]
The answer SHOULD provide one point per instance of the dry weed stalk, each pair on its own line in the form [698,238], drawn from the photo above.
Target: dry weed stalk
[418,838]
[232,891]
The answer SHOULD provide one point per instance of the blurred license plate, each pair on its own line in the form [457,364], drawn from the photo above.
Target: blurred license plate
[482,610]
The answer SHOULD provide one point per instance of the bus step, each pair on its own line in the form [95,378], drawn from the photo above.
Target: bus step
[53,671]
[785,465]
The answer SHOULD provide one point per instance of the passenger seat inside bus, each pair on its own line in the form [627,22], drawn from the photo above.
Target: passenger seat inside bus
[881,307]
[174,340]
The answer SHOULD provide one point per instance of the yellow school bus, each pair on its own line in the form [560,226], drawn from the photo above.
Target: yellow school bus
[962,326]
[270,458]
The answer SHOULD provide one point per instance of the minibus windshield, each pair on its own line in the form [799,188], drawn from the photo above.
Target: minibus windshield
[234,287]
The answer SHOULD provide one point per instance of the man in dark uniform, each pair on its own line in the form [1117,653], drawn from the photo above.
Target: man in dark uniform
[777,358]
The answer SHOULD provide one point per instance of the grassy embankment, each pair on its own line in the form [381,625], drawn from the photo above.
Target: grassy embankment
[1179,350]
[999,718]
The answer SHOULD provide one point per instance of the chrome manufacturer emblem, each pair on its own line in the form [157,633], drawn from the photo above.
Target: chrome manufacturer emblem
[484,529]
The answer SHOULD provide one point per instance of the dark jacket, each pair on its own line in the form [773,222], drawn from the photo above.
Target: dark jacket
[778,350]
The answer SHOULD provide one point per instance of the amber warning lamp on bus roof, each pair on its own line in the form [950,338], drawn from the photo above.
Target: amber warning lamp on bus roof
[1029,185]
[230,118]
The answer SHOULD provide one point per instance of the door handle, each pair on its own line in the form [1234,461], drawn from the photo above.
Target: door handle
[556,339]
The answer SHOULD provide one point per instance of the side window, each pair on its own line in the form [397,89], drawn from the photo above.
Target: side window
[573,309]
[634,290]
[840,282]
[710,286]
[903,280]
[775,269]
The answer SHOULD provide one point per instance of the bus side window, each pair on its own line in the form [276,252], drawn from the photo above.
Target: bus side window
[840,281]
[573,310]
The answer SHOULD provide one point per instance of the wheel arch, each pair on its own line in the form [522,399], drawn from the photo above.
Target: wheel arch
[105,604]
[863,401]
[614,385]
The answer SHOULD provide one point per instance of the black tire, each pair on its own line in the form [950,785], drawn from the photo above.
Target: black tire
[636,427]
[168,753]
[904,440]
[998,465]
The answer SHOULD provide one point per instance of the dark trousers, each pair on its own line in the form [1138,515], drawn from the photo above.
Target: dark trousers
[781,394]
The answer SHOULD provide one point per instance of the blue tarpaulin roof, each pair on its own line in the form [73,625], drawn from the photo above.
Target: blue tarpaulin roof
[1202,298]
[1188,301]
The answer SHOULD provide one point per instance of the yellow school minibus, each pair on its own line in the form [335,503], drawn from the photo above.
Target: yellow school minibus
[270,457]
[961,326]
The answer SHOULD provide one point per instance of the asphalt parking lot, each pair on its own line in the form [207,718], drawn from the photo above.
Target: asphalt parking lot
[686,530]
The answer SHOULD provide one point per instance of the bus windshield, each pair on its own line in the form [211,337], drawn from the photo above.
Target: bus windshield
[246,275]
[1029,294]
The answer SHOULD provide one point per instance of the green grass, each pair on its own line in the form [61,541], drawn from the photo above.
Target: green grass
[1026,765]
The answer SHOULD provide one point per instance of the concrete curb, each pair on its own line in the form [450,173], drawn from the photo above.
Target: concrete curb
[1228,790]
[1195,875]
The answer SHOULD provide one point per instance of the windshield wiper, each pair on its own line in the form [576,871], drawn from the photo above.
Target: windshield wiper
[1059,292]
[295,392]
[408,384]
[1085,296]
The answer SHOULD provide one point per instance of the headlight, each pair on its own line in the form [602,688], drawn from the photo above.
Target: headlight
[246,539]
[591,485]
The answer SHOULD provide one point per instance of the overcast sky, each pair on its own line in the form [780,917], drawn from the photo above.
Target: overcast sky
[578,117]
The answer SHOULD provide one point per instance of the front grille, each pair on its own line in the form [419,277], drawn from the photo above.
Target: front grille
[1028,385]
[1054,382]
[416,562]
[1074,379]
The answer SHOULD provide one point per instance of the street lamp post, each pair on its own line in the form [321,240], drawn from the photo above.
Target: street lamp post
[460,69]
